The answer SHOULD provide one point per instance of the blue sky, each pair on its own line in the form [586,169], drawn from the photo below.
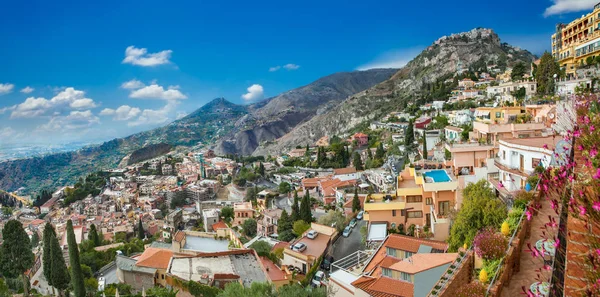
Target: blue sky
[77,71]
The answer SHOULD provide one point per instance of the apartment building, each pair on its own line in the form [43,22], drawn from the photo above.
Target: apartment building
[495,123]
[574,42]
[422,198]
[241,212]
[517,160]
[505,90]
[401,266]
[304,258]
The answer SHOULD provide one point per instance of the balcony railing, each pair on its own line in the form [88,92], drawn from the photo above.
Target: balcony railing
[512,169]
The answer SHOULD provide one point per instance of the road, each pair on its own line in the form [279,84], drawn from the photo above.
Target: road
[282,202]
[345,246]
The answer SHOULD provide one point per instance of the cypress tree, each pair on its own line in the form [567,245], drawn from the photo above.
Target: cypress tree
[379,153]
[409,136]
[284,227]
[76,273]
[295,208]
[17,257]
[305,213]
[355,201]
[35,240]
[93,236]
[46,258]
[59,274]
[141,234]
[357,162]
[424,148]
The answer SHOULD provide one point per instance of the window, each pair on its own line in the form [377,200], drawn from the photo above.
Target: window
[390,252]
[497,114]
[415,214]
[386,272]
[393,212]
[503,155]
[405,276]
[414,199]
[429,201]
[444,207]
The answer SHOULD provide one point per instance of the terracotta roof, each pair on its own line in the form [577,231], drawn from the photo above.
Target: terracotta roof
[311,182]
[280,245]
[361,135]
[179,236]
[273,213]
[384,287]
[537,142]
[421,262]
[412,244]
[155,258]
[274,272]
[219,225]
[347,170]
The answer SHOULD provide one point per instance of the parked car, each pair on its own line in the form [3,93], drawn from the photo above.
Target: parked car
[353,223]
[347,231]
[359,216]
[326,263]
[318,278]
[299,247]
[312,234]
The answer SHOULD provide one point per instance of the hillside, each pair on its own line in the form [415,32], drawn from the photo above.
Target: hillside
[243,127]
[411,84]
[274,117]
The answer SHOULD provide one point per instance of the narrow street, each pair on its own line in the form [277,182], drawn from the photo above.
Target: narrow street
[345,246]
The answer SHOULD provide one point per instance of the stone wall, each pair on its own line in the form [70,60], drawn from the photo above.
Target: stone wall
[461,276]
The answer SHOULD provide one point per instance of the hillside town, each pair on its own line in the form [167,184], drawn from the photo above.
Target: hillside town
[447,197]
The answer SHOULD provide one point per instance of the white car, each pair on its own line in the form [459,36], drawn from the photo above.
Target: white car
[318,278]
[347,231]
[299,247]
[312,234]
[359,216]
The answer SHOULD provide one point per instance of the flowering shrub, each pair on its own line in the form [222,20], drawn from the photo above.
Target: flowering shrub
[490,245]
[472,289]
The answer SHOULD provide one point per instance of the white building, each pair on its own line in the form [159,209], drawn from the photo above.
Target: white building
[518,158]
[209,218]
[504,90]
[453,133]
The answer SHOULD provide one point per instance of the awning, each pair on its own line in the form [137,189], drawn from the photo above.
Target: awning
[377,232]
[484,113]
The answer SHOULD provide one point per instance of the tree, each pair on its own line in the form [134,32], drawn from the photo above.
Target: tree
[300,227]
[333,218]
[296,290]
[357,161]
[93,236]
[520,94]
[16,260]
[35,240]
[140,230]
[284,227]
[590,60]
[480,209]
[285,187]
[355,201]
[409,138]
[46,258]
[227,213]
[7,211]
[305,212]
[59,274]
[249,227]
[251,194]
[379,153]
[76,274]
[261,169]
[262,248]
[546,70]
[295,207]
[256,289]
[424,148]
[518,71]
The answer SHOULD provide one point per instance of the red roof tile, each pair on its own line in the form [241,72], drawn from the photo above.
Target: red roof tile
[219,225]
[155,258]
[179,236]
[384,287]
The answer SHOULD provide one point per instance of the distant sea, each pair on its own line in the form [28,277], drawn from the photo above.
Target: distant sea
[21,151]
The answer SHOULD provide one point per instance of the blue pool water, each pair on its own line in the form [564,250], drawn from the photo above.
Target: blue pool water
[439,176]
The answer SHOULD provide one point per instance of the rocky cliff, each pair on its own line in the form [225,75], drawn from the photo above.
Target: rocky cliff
[441,60]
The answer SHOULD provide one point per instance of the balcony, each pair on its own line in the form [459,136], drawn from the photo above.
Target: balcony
[511,169]
[386,202]
[505,195]
[507,127]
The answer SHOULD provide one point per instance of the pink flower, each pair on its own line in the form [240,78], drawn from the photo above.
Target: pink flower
[582,210]
[593,152]
[556,242]
[576,133]
[500,185]
[528,214]
[597,175]
[598,252]
[545,146]
[592,128]
[596,206]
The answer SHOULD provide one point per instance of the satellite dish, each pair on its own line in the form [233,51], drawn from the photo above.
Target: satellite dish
[551,115]
[561,153]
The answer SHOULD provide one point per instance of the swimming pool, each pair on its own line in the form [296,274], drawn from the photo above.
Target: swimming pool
[438,176]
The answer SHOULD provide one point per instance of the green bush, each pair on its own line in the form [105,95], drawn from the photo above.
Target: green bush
[311,273]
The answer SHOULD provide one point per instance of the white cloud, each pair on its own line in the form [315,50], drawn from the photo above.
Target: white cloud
[6,88]
[288,67]
[27,90]
[68,99]
[7,108]
[141,57]
[565,6]
[255,92]
[181,115]
[132,84]
[155,91]
[7,132]
[122,113]
[76,120]
[155,116]
[391,59]
[291,66]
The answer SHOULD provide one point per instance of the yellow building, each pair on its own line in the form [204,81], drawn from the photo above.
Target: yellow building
[499,115]
[573,43]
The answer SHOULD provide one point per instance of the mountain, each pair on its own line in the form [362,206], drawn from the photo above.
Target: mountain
[233,128]
[276,116]
[417,83]
[205,125]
